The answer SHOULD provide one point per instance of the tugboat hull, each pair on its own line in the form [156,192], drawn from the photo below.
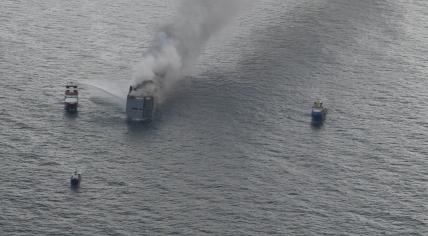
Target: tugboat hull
[70,107]
[75,181]
[319,114]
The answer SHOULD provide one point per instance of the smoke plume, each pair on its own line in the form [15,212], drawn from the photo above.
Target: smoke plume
[177,46]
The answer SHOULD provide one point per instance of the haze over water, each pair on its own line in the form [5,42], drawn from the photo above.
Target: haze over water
[232,150]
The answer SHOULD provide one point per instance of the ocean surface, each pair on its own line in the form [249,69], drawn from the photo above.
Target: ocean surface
[232,150]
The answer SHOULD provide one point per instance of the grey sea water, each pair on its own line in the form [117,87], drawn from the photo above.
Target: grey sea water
[232,150]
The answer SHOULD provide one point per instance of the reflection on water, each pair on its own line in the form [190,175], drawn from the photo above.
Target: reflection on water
[71,115]
[140,127]
[317,124]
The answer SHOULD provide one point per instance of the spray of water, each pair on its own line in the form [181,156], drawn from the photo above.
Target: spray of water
[177,46]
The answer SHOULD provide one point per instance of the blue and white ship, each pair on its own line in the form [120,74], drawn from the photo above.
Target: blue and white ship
[318,111]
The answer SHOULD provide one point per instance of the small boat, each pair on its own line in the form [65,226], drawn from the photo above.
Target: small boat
[75,179]
[71,97]
[318,111]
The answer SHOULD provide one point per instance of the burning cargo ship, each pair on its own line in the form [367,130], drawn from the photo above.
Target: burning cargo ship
[140,102]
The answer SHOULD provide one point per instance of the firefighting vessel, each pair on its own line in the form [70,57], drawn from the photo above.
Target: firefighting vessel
[71,97]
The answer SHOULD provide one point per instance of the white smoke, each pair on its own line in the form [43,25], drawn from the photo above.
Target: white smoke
[177,46]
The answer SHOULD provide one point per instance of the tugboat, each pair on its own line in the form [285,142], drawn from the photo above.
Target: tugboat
[140,104]
[71,98]
[318,111]
[75,179]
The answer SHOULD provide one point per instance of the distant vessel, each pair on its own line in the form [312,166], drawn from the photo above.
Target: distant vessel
[75,179]
[140,102]
[71,97]
[318,111]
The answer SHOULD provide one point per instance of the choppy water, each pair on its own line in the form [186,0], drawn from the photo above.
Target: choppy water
[233,151]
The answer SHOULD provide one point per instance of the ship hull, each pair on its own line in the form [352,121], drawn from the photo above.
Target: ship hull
[319,114]
[75,181]
[140,108]
[70,107]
